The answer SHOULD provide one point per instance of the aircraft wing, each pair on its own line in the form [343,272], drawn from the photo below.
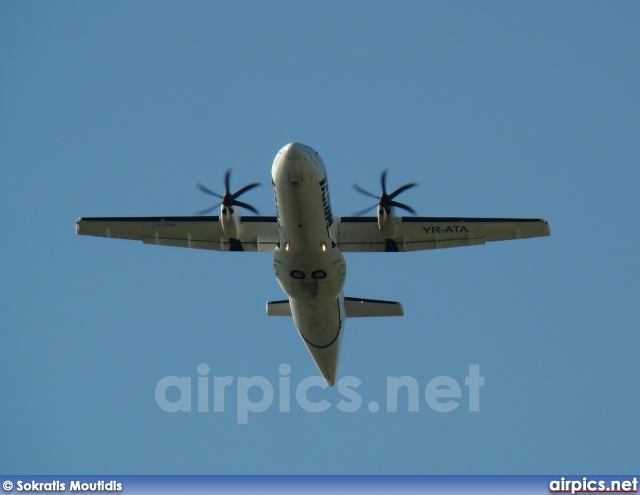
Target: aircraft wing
[256,233]
[361,234]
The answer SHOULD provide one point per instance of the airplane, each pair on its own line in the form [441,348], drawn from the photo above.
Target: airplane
[308,243]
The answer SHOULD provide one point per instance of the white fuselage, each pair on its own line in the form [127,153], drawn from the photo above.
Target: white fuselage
[307,263]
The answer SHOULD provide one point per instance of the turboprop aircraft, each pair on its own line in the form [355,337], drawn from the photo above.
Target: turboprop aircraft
[307,243]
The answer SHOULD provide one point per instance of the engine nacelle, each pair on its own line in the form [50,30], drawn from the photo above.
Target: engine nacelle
[387,221]
[230,219]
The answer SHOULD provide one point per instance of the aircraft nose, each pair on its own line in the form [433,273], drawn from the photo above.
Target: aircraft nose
[294,151]
[296,161]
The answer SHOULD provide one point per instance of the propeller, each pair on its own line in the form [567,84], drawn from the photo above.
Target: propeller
[228,199]
[385,200]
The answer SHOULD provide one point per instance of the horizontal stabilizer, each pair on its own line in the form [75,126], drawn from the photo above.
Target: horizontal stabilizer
[279,308]
[358,307]
[355,307]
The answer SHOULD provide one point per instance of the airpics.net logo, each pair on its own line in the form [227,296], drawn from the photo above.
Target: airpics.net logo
[257,394]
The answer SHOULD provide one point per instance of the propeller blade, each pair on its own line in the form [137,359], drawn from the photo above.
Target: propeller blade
[402,189]
[403,206]
[386,200]
[229,199]
[205,190]
[227,177]
[362,191]
[240,192]
[383,180]
[245,205]
[362,212]
[204,212]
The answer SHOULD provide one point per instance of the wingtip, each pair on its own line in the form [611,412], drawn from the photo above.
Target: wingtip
[547,227]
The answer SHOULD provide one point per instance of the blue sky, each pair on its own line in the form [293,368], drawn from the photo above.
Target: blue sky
[499,109]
